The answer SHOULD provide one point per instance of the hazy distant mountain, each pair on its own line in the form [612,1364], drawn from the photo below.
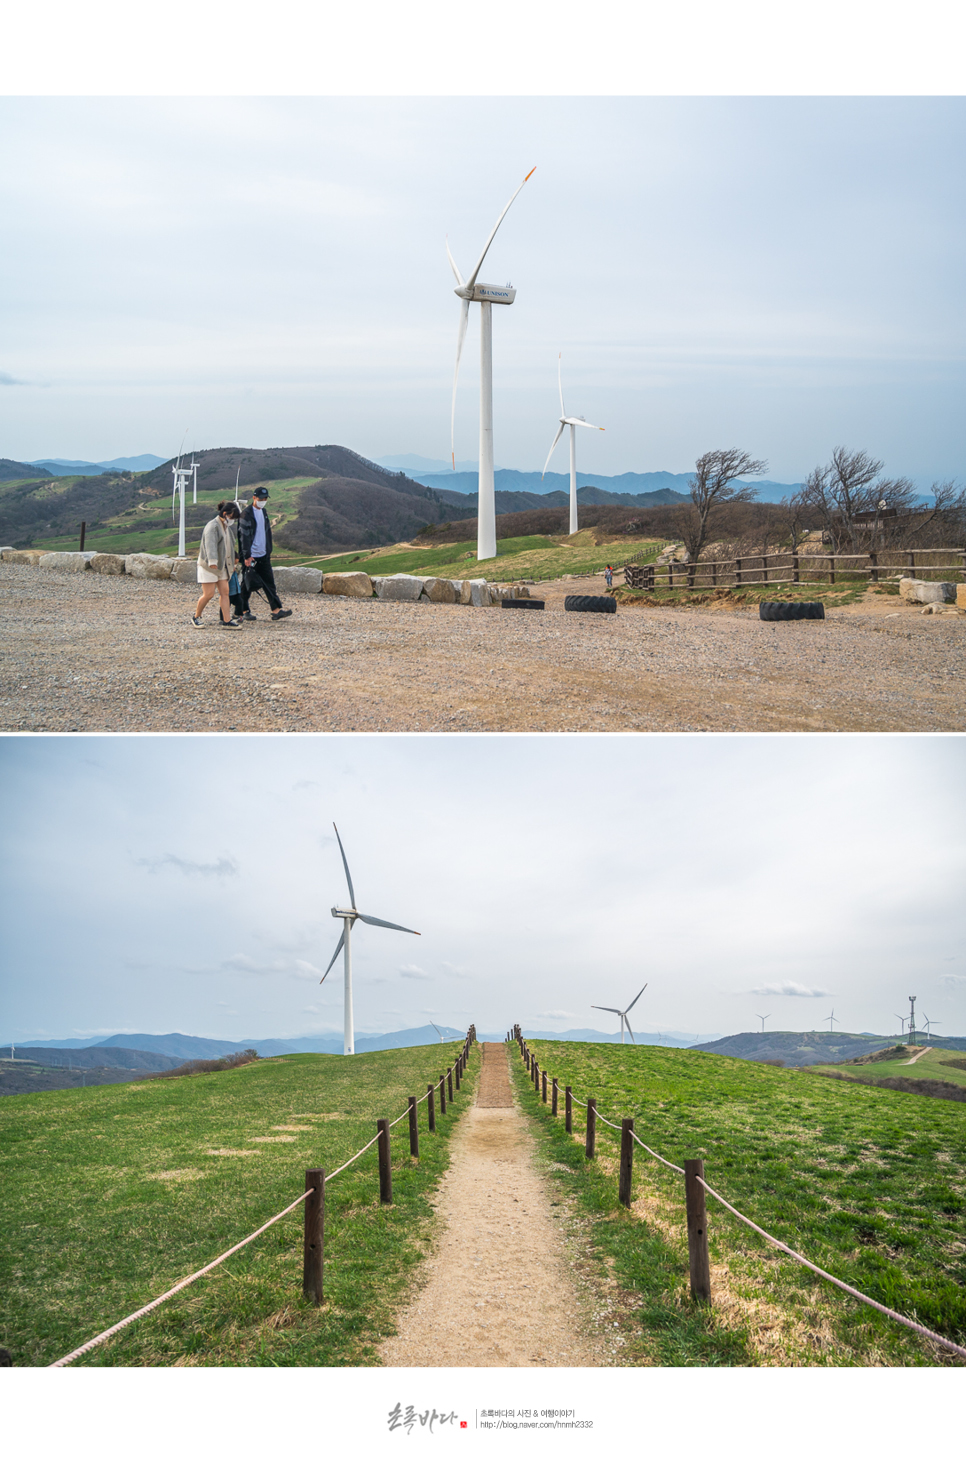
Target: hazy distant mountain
[507,502]
[814,1048]
[177,1047]
[628,483]
[97,468]
[16,470]
[422,463]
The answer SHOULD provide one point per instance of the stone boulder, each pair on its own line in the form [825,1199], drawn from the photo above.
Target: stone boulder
[935,608]
[107,563]
[961,596]
[441,590]
[350,585]
[298,580]
[6,548]
[25,555]
[402,586]
[916,591]
[184,570]
[148,565]
[479,593]
[67,562]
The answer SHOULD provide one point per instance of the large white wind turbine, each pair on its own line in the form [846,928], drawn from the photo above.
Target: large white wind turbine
[349,916]
[573,421]
[623,1013]
[477,291]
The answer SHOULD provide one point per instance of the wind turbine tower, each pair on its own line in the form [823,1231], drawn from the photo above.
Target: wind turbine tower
[180,475]
[762,1016]
[469,291]
[573,421]
[349,915]
[912,1018]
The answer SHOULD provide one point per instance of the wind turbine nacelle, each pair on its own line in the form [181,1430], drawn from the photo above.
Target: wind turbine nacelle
[485,292]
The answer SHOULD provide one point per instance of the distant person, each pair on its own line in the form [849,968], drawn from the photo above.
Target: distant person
[255,539]
[216,564]
[609,576]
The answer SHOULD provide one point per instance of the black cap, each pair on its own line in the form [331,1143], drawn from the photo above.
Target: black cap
[260,491]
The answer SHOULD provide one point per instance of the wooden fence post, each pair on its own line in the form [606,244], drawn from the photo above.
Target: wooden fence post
[413,1128]
[449,1082]
[698,1262]
[591,1126]
[385,1163]
[627,1161]
[459,1073]
[442,1095]
[714,575]
[912,563]
[873,566]
[737,573]
[553,1097]
[544,1080]
[314,1235]
[795,568]
[568,1110]
[831,568]
[431,1106]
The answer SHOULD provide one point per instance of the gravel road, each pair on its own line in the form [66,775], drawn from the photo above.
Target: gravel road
[88,653]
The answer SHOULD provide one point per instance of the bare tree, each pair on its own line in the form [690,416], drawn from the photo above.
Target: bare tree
[711,490]
[795,518]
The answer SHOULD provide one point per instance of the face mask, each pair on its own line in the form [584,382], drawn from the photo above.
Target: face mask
[259,504]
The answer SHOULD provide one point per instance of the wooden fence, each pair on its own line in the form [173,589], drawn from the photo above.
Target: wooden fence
[770,568]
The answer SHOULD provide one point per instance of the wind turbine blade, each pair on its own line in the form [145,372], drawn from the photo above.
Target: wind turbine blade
[560,386]
[352,894]
[603,1009]
[545,465]
[392,925]
[459,283]
[584,423]
[476,269]
[464,319]
[631,1004]
[629,1029]
[334,956]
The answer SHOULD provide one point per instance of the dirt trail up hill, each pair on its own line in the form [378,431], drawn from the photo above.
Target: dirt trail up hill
[500,1290]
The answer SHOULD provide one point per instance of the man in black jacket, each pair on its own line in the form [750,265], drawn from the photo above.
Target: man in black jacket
[255,540]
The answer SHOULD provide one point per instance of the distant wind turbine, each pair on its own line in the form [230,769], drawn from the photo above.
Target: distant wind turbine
[762,1016]
[349,915]
[477,291]
[573,421]
[623,1015]
[830,1017]
[902,1021]
[929,1024]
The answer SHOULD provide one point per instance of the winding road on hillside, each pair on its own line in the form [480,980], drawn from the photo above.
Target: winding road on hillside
[500,1290]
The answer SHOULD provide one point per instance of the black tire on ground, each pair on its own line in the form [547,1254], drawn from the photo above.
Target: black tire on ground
[522,603]
[590,604]
[791,610]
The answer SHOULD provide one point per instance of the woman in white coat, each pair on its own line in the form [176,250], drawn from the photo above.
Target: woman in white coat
[216,564]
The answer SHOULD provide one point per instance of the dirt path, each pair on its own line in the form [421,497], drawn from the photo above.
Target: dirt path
[500,1291]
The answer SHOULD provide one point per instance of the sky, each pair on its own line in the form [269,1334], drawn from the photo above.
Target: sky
[779,273]
[184,884]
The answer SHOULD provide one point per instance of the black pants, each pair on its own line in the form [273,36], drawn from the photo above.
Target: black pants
[260,578]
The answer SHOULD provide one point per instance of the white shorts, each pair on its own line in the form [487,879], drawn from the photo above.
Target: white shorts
[205,574]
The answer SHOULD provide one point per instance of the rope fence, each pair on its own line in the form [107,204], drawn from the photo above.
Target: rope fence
[696,1186]
[314,1199]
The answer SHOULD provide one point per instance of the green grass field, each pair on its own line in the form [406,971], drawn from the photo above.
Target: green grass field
[112,1194]
[869,1184]
[518,559]
[935,1065]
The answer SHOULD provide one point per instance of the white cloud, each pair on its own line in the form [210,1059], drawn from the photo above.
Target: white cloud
[452,971]
[953,979]
[558,1013]
[790,990]
[220,869]
[410,970]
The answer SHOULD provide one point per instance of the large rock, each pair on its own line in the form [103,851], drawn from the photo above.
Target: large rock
[399,586]
[916,591]
[107,563]
[441,590]
[351,585]
[148,565]
[67,562]
[961,596]
[25,555]
[298,580]
[184,570]
[6,548]
[479,593]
